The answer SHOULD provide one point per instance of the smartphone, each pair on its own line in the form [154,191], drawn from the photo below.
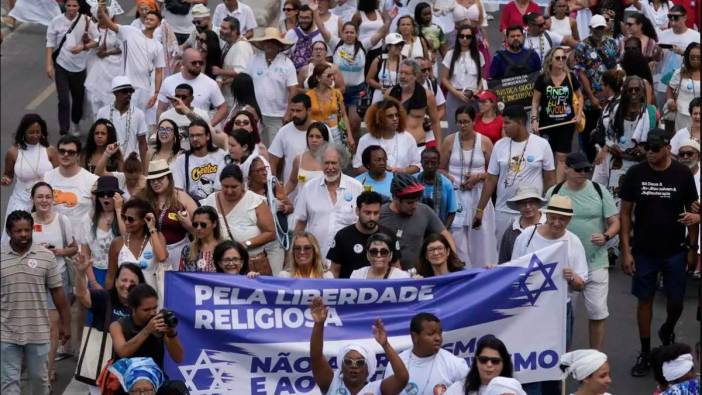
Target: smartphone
[666,46]
[50,246]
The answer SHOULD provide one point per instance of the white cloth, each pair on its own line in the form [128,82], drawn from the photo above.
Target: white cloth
[271,82]
[338,387]
[181,24]
[146,260]
[35,11]
[367,354]
[659,17]
[203,173]
[413,50]
[362,273]
[504,385]
[541,44]
[58,28]
[206,92]
[73,197]
[401,149]
[142,56]
[561,26]
[99,88]
[465,71]
[351,67]
[99,244]
[368,28]
[686,88]
[677,368]
[242,219]
[680,137]
[425,374]
[287,144]
[130,126]
[582,363]
[243,13]
[287,274]
[324,218]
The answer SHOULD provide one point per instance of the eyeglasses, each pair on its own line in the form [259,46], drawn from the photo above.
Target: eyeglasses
[559,58]
[465,36]
[128,218]
[686,154]
[305,248]
[67,152]
[289,9]
[105,194]
[436,250]
[652,147]
[674,17]
[165,129]
[202,225]
[382,252]
[234,261]
[245,122]
[485,359]
[197,62]
[354,363]
[583,170]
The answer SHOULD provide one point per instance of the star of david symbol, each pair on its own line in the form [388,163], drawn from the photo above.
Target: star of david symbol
[203,362]
[547,269]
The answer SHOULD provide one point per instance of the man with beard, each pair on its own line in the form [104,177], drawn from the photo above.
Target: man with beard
[27,271]
[129,121]
[515,59]
[348,251]
[236,55]
[659,193]
[328,203]
[418,102]
[303,36]
[291,139]
[204,39]
[206,92]
[540,40]
[689,155]
[410,219]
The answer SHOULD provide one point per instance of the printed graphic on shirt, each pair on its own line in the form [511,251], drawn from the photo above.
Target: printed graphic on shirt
[204,176]
[657,189]
[68,199]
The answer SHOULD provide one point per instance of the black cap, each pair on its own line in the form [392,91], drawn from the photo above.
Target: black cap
[577,160]
[107,184]
[658,137]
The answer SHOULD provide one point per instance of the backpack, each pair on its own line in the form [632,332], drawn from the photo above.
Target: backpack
[177,7]
[597,187]
[519,67]
[302,52]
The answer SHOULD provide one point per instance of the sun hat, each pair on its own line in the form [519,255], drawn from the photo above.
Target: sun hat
[121,82]
[270,34]
[157,169]
[561,205]
[524,193]
[200,11]
[107,184]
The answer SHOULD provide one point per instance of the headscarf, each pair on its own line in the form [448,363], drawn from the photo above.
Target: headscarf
[582,363]
[152,4]
[361,349]
[131,370]
[677,368]
[504,385]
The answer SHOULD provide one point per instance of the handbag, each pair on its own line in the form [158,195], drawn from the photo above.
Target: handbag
[580,125]
[95,350]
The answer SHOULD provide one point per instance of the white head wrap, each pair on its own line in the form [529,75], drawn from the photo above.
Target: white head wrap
[582,363]
[367,355]
[680,366]
[504,385]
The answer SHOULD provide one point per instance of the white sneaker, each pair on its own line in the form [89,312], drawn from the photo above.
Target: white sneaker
[75,129]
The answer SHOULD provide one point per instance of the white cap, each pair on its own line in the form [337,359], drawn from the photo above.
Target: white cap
[393,38]
[121,82]
[199,11]
[691,143]
[598,21]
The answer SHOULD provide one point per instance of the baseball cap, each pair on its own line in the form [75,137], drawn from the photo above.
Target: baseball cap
[577,160]
[598,21]
[658,137]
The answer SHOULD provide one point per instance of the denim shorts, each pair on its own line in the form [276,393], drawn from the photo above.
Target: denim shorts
[644,281]
[352,94]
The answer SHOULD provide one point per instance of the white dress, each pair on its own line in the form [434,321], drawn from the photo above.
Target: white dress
[476,247]
[30,166]
[98,87]
[35,11]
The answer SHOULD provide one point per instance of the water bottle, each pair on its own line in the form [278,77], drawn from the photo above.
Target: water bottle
[144,262]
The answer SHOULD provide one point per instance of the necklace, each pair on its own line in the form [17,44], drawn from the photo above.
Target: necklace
[143,245]
[34,169]
[431,370]
[123,145]
[517,166]
[472,155]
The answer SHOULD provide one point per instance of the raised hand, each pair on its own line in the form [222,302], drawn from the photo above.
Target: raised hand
[319,310]
[379,332]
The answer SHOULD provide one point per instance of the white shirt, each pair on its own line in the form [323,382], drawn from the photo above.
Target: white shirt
[55,232]
[438,96]
[520,169]
[362,274]
[401,149]
[271,82]
[129,127]
[441,369]
[337,386]
[288,143]
[142,56]
[206,92]
[181,24]
[54,34]
[465,71]
[671,60]
[351,67]
[238,56]
[73,197]
[686,89]
[202,171]
[324,218]
[243,13]
[540,43]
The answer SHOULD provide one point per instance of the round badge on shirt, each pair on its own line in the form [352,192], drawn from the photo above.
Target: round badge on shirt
[348,196]
[32,263]
[530,158]
[358,248]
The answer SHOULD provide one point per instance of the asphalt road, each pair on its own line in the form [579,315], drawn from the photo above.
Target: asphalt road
[25,88]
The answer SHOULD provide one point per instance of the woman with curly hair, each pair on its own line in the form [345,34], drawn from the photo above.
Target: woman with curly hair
[436,257]
[305,258]
[102,134]
[386,123]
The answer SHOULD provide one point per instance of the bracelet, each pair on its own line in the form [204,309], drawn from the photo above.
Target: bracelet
[152,231]
[479,210]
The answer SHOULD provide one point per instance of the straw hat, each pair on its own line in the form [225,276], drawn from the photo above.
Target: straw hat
[561,205]
[157,169]
[271,34]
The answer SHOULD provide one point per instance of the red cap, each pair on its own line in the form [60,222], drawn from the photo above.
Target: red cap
[410,190]
[487,95]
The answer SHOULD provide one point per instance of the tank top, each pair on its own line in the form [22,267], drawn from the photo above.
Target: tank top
[30,166]
[168,224]
[561,26]
[305,175]
[368,28]
[145,261]
[414,50]
[100,247]
[458,170]
[325,112]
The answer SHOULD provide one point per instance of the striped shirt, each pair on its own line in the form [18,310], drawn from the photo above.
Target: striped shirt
[24,318]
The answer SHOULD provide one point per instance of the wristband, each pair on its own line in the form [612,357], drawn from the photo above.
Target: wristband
[479,210]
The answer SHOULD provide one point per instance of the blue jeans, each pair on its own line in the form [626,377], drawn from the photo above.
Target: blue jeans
[36,360]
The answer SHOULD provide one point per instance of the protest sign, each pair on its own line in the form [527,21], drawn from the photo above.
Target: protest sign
[518,89]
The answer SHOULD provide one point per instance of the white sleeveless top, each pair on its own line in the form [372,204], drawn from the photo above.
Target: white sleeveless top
[458,170]
[368,28]
[561,26]
[30,166]
[126,255]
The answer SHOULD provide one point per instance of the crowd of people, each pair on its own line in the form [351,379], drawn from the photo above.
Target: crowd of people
[315,149]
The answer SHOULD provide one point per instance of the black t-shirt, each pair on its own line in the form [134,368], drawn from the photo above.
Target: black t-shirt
[556,101]
[152,347]
[349,249]
[98,299]
[659,198]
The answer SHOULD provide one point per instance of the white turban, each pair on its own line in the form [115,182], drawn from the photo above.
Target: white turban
[367,355]
[504,385]
[582,363]
[677,368]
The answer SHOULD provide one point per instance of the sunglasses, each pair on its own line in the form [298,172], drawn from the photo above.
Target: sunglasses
[484,360]
[426,70]
[559,58]
[686,154]
[382,252]
[674,17]
[652,147]
[68,152]
[202,225]
[105,194]
[305,248]
[128,218]
[465,36]
[583,170]
[242,123]
[354,363]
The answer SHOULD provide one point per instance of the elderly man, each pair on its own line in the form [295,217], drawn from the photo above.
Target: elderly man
[275,80]
[328,203]
[236,55]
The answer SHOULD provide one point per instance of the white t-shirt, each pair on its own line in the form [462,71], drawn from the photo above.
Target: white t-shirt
[672,61]
[54,233]
[351,67]
[686,88]
[288,143]
[73,197]
[203,173]
[206,92]
[465,71]
[142,56]
[540,43]
[129,127]
[57,29]
[510,165]
[401,149]
[458,388]
[428,374]
[238,56]
[243,13]
[362,273]
[271,82]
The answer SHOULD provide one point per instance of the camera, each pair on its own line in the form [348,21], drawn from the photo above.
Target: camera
[169,318]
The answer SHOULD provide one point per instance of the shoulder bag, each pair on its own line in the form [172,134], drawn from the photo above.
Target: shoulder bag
[95,350]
